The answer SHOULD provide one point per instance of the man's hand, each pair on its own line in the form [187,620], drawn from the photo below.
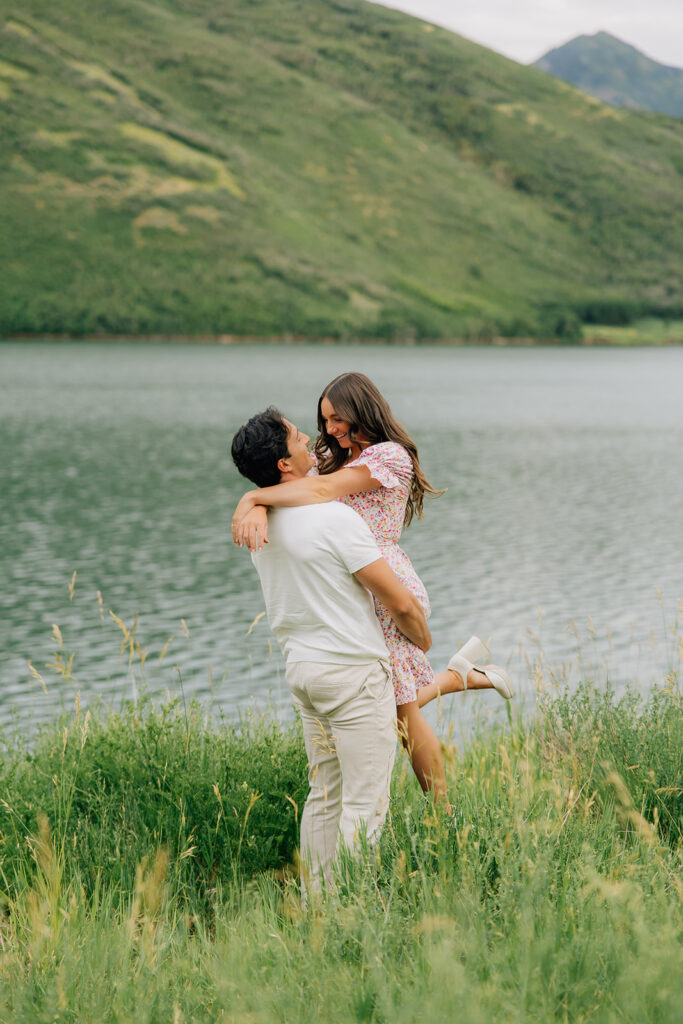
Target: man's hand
[404,608]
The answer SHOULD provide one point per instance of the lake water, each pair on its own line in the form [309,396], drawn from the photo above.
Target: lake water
[560,537]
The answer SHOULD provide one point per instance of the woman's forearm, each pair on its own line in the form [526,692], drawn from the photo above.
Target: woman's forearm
[285,495]
[307,490]
[312,490]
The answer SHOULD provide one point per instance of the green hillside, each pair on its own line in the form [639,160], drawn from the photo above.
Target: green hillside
[319,167]
[617,73]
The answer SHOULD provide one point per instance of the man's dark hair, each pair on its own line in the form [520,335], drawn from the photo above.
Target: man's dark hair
[259,445]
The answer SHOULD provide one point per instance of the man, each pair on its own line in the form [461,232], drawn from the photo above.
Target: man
[318,573]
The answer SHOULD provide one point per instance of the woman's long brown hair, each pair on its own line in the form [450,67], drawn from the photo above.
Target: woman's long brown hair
[356,399]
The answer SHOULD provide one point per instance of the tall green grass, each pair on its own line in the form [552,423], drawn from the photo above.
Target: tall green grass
[148,874]
[222,800]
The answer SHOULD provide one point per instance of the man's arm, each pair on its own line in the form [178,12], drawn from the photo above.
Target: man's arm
[403,606]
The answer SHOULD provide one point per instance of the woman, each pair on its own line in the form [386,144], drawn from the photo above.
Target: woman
[366,459]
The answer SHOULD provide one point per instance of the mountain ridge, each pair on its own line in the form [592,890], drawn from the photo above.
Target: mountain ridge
[617,73]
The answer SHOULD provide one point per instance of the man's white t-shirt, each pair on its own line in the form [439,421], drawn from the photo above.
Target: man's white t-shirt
[316,609]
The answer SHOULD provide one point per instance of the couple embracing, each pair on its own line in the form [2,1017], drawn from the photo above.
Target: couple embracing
[347,607]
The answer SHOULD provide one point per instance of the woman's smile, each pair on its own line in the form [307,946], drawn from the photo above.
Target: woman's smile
[338,428]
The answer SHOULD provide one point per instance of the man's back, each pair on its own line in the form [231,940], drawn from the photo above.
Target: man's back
[338,668]
[316,609]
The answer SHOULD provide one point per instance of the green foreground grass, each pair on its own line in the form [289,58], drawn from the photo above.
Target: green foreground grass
[147,872]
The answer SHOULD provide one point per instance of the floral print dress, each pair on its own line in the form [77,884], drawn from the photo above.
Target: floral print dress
[383,510]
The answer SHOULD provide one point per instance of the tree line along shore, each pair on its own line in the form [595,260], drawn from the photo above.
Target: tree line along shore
[639,333]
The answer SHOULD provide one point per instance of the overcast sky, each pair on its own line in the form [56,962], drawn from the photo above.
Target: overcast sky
[526,29]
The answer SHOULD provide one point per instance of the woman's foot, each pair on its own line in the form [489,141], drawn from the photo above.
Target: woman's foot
[477,676]
[463,660]
[470,653]
[499,680]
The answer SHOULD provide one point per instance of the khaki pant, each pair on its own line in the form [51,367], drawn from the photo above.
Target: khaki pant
[348,713]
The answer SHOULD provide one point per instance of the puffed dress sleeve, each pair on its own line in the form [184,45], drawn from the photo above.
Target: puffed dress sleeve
[389,463]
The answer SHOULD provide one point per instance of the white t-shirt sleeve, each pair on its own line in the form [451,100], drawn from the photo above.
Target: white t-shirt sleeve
[353,540]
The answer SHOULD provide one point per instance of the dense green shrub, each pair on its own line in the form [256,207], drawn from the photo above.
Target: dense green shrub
[223,800]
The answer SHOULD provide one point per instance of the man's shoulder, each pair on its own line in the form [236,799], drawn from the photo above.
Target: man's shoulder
[324,513]
[330,520]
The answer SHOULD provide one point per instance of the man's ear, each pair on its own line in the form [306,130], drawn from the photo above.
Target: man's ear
[284,466]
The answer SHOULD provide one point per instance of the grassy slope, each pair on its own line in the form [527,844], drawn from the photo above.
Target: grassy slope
[320,167]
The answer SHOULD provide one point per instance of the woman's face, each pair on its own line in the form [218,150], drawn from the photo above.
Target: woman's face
[339,428]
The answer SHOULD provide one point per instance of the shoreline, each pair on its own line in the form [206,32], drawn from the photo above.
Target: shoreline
[598,340]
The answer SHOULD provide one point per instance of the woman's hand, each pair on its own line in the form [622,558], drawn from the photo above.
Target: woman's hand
[252,529]
[244,506]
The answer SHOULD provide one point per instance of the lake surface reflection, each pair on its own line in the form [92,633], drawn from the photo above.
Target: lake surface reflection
[560,536]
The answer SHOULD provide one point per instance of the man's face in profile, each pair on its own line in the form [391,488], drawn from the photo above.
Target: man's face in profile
[300,459]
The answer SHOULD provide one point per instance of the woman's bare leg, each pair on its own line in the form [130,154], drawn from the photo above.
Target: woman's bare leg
[451,682]
[423,749]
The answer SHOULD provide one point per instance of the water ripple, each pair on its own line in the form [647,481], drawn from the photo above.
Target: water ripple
[560,532]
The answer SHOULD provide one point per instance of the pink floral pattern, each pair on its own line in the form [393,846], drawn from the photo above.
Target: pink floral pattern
[383,510]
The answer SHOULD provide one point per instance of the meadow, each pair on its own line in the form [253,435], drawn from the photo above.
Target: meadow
[148,871]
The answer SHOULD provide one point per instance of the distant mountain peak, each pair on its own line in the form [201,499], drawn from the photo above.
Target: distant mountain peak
[605,36]
[617,73]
